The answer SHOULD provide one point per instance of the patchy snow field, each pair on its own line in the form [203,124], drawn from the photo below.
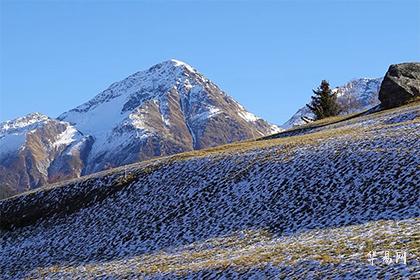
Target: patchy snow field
[308,206]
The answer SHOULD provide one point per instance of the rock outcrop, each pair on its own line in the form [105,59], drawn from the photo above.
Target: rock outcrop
[401,85]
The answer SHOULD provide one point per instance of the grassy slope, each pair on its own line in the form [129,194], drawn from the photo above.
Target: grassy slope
[339,251]
[225,210]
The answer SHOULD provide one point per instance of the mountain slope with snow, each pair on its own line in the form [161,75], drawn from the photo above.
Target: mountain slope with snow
[36,149]
[167,109]
[355,96]
[309,206]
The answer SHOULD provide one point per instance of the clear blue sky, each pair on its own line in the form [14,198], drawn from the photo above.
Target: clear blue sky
[56,55]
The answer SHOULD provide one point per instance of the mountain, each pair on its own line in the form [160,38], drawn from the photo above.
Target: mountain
[167,109]
[312,206]
[355,96]
[36,149]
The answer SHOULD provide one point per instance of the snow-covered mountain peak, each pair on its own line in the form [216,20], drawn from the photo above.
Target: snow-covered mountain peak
[173,64]
[27,122]
[361,87]
[146,85]
[170,103]
[179,63]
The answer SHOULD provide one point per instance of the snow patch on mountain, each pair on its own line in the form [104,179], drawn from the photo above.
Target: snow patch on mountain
[66,137]
[206,114]
[249,117]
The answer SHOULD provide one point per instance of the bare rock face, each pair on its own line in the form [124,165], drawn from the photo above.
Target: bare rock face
[401,85]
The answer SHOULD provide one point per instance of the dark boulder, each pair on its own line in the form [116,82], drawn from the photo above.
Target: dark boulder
[401,85]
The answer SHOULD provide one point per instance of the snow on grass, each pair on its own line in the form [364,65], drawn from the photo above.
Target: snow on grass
[259,249]
[307,206]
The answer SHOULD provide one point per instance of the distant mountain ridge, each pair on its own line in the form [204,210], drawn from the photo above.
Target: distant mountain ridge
[167,109]
[355,96]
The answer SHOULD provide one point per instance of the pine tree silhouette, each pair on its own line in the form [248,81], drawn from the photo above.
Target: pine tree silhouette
[324,102]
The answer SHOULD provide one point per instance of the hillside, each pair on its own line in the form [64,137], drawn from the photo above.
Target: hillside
[166,109]
[307,206]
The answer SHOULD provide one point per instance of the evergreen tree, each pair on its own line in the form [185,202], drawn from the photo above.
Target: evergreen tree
[324,102]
